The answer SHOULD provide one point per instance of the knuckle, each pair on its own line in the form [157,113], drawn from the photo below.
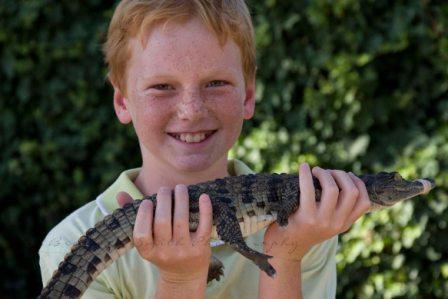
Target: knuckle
[325,172]
[338,172]
[333,190]
[354,192]
[357,180]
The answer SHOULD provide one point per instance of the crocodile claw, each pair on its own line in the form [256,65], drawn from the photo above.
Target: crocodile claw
[215,269]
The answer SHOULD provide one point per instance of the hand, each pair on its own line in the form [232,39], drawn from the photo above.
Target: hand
[164,238]
[344,199]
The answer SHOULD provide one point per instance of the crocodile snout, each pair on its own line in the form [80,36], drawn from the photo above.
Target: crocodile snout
[428,184]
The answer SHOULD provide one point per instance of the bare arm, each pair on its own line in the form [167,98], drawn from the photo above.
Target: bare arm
[187,289]
[286,283]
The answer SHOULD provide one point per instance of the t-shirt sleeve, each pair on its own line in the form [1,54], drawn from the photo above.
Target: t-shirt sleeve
[319,271]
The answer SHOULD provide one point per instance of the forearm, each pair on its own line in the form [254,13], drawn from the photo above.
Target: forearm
[285,284]
[182,290]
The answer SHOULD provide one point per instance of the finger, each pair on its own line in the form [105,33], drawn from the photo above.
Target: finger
[307,191]
[162,218]
[123,198]
[204,230]
[330,192]
[347,196]
[142,233]
[181,214]
[363,204]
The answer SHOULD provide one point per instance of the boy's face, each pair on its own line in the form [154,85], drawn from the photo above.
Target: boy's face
[186,97]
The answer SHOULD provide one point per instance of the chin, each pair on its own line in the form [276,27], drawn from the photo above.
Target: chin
[194,164]
[192,167]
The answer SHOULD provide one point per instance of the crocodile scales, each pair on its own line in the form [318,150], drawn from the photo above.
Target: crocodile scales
[241,206]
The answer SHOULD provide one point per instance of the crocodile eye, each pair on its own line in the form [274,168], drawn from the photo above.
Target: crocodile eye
[397,177]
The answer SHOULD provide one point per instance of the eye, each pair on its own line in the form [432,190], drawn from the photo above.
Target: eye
[217,83]
[162,86]
[397,176]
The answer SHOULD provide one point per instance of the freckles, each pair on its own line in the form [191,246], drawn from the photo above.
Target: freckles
[230,106]
[150,113]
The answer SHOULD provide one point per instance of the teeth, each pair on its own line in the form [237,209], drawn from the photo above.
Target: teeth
[191,138]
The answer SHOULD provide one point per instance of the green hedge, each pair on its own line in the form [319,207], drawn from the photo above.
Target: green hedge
[355,85]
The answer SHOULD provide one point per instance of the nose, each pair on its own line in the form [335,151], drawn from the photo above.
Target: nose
[192,106]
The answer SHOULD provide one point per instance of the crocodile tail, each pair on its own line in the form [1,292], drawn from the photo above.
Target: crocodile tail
[97,249]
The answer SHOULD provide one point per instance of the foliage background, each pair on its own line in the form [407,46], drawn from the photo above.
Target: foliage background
[355,85]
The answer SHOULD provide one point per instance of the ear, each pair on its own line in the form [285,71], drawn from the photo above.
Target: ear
[121,106]
[249,102]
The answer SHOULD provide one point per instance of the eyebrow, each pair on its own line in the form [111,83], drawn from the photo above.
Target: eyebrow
[169,77]
[219,73]
[157,77]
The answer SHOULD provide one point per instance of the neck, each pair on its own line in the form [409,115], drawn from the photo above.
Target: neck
[157,174]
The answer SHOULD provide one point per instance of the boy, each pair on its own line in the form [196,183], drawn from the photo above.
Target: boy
[183,74]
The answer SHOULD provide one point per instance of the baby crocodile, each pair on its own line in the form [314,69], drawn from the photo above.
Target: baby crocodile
[241,206]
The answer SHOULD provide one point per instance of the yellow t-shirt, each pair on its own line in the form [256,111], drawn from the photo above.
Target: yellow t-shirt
[133,277]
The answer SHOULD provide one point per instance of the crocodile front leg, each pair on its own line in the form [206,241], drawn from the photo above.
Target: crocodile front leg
[229,231]
[215,269]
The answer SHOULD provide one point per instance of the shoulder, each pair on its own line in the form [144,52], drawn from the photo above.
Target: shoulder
[64,235]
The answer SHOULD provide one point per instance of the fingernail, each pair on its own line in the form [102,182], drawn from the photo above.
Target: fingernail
[164,190]
[203,197]
[180,187]
[147,202]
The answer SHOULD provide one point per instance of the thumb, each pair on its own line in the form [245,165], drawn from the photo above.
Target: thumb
[204,229]
[123,198]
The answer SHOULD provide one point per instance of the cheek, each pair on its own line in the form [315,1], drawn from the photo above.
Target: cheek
[235,112]
[229,104]
[150,117]
[231,114]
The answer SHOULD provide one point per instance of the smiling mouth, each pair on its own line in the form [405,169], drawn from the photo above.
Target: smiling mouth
[193,137]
